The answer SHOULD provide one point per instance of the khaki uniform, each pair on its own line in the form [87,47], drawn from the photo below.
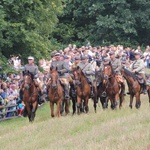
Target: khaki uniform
[87,69]
[116,65]
[63,69]
[138,66]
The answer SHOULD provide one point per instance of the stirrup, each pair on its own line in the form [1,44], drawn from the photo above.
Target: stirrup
[104,94]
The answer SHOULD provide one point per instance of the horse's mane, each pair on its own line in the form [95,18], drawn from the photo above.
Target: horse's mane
[129,73]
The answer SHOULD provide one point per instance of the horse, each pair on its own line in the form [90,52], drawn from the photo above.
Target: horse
[112,87]
[55,92]
[100,89]
[30,95]
[83,91]
[133,85]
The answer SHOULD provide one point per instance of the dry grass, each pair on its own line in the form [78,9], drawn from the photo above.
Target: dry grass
[123,129]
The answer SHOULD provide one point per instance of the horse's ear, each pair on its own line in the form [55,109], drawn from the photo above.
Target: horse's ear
[109,63]
[23,73]
[56,68]
[50,68]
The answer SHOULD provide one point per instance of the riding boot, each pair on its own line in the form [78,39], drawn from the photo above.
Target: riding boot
[21,94]
[144,89]
[72,90]
[66,88]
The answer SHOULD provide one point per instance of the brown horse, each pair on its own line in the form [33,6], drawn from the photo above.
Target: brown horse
[133,85]
[55,92]
[30,95]
[83,91]
[113,89]
[100,89]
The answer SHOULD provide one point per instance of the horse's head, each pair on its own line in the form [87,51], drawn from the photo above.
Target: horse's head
[28,79]
[107,72]
[77,75]
[98,76]
[54,77]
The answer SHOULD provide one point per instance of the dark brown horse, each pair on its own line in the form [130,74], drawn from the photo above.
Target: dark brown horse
[113,89]
[56,94]
[30,95]
[100,89]
[83,91]
[133,85]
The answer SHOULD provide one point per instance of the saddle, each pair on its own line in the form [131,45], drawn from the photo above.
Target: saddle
[140,79]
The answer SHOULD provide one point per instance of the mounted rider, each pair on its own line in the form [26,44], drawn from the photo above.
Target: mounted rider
[116,65]
[138,68]
[88,71]
[62,69]
[33,69]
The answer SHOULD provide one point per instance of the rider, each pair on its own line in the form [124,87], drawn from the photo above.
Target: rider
[62,69]
[33,69]
[138,68]
[88,70]
[116,65]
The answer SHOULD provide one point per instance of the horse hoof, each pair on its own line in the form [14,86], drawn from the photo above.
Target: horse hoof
[130,106]
[52,116]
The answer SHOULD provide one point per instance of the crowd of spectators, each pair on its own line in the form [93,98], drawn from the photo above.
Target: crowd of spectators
[10,83]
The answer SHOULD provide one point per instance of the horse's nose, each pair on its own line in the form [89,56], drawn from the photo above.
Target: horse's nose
[105,77]
[54,86]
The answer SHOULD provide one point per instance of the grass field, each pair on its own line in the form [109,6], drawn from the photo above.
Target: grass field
[123,129]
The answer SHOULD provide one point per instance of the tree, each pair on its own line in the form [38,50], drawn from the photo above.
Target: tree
[27,25]
[105,22]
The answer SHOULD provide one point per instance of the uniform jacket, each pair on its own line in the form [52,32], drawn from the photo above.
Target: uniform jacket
[61,66]
[138,65]
[88,70]
[116,64]
[32,69]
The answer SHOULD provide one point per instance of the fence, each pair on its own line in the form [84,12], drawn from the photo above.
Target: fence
[8,112]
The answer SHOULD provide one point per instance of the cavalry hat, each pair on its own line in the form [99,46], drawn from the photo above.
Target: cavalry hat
[136,53]
[84,57]
[57,54]
[31,58]
[111,53]
[77,58]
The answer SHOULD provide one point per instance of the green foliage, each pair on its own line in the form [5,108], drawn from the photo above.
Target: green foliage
[26,26]
[105,22]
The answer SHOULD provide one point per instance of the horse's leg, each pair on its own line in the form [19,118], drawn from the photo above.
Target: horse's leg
[73,105]
[62,106]
[138,102]
[131,100]
[148,91]
[67,106]
[86,104]
[34,107]
[52,108]
[121,95]
[95,102]
[28,110]
[58,108]
[78,104]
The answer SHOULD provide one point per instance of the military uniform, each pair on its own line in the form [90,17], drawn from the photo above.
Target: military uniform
[63,69]
[138,66]
[88,71]
[116,65]
[32,69]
